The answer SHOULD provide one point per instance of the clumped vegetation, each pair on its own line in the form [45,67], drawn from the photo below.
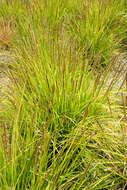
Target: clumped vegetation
[62,126]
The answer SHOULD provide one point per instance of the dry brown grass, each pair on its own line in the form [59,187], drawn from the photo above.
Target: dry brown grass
[6,32]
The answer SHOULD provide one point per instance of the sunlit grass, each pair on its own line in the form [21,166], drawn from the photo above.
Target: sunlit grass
[61,126]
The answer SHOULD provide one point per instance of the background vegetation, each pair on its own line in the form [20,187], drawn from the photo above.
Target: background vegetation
[61,124]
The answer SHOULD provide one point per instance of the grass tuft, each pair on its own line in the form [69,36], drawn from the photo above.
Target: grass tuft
[62,126]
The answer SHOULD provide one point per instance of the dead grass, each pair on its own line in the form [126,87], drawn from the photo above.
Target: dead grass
[6,32]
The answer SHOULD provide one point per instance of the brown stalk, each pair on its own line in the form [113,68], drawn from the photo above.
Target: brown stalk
[47,81]
[6,141]
[53,51]
[70,56]
[96,83]
[85,114]
[75,58]
[124,105]
[57,90]
[58,48]
[39,150]
[64,66]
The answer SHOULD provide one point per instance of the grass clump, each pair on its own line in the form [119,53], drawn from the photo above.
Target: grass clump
[101,28]
[61,126]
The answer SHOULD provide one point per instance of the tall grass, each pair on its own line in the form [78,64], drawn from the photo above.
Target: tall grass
[61,126]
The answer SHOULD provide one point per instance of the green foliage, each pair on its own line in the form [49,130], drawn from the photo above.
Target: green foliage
[59,125]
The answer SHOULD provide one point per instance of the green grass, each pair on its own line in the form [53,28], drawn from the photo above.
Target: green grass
[61,126]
